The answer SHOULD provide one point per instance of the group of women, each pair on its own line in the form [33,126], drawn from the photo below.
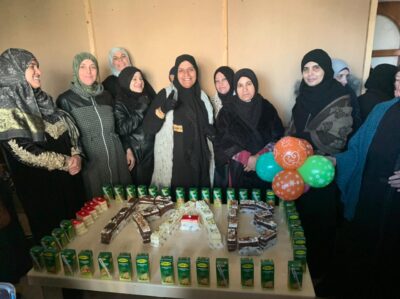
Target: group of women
[120,131]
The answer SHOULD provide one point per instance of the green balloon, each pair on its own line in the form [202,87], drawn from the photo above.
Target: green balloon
[317,171]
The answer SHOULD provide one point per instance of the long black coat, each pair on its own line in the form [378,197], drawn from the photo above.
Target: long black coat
[234,136]
[129,127]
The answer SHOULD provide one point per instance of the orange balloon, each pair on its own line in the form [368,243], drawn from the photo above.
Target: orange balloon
[290,152]
[288,185]
[309,148]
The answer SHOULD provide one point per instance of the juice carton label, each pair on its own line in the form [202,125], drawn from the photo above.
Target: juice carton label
[85,260]
[143,267]
[203,271]
[267,274]
[167,270]
[247,272]
[125,266]
[184,277]
[222,268]
[106,265]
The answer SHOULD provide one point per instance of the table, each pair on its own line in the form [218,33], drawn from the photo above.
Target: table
[180,243]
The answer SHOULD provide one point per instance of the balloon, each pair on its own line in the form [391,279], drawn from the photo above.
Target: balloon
[317,171]
[266,167]
[309,148]
[288,185]
[290,152]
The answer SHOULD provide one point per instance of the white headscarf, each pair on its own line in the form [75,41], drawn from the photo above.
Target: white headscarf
[111,54]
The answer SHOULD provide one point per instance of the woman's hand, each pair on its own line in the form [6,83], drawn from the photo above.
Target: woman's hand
[130,158]
[394,180]
[74,165]
[251,163]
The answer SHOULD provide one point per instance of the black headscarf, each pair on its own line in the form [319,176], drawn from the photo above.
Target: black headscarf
[192,108]
[249,112]
[22,107]
[228,73]
[125,95]
[382,78]
[312,99]
[172,71]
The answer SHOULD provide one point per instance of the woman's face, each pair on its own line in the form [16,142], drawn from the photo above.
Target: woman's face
[343,76]
[245,89]
[313,74]
[87,72]
[186,74]
[32,74]
[397,85]
[221,83]
[137,83]
[120,60]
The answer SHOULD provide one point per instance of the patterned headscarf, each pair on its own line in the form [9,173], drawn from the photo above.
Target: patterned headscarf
[77,86]
[111,54]
[21,107]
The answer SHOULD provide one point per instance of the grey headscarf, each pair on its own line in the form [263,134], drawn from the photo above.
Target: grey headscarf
[21,107]
[77,86]
[111,54]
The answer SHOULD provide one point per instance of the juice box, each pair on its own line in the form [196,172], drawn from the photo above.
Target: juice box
[256,194]
[51,258]
[205,194]
[267,274]
[167,269]
[243,194]
[247,272]
[300,254]
[222,267]
[69,261]
[297,232]
[106,265]
[184,277]
[153,190]
[143,267]
[60,236]
[203,271]
[130,191]
[85,261]
[66,225]
[299,240]
[270,198]
[217,197]
[119,193]
[180,196]
[230,195]
[125,266]
[295,275]
[49,242]
[36,253]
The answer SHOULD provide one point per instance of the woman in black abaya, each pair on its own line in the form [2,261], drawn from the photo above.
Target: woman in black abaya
[322,116]
[244,129]
[132,103]
[181,117]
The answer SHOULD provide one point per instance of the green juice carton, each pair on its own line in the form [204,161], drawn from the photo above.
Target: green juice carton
[217,197]
[143,267]
[267,274]
[184,276]
[295,275]
[222,267]
[124,261]
[300,254]
[203,271]
[51,258]
[69,261]
[85,261]
[36,253]
[167,270]
[247,272]
[106,265]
